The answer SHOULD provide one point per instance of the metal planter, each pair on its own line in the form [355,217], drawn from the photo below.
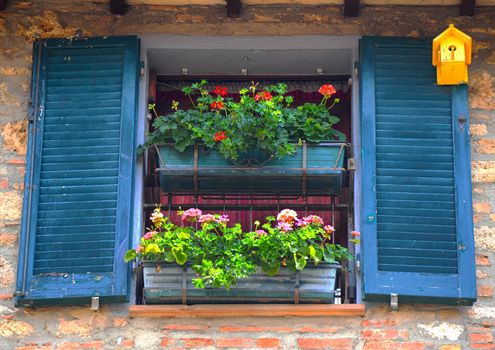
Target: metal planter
[315,169]
[166,283]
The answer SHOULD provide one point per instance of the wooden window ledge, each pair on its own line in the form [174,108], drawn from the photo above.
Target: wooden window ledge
[246,310]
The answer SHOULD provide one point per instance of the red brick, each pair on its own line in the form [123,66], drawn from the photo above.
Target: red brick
[35,347]
[482,260]
[384,334]
[485,291]
[127,343]
[5,296]
[185,327]
[4,183]
[94,345]
[482,346]
[481,338]
[388,345]
[197,342]
[166,341]
[378,323]
[483,329]
[318,329]
[16,161]
[267,343]
[225,329]
[236,343]
[315,343]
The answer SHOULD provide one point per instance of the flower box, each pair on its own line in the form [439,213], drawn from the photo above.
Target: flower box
[166,283]
[315,169]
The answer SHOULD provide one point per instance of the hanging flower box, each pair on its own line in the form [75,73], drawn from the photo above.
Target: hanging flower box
[314,169]
[166,283]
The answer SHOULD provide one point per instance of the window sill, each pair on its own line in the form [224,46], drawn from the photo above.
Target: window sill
[246,310]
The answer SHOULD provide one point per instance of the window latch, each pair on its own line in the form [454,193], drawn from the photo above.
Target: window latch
[95,303]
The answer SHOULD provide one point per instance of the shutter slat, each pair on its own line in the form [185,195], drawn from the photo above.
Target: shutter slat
[78,90]
[71,112]
[75,237]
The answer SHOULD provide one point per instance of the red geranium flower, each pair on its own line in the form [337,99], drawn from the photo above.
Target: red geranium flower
[327,90]
[220,90]
[217,105]
[219,136]
[265,96]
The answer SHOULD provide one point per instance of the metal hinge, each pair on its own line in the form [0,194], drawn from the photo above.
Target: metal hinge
[141,69]
[394,301]
[30,115]
[356,69]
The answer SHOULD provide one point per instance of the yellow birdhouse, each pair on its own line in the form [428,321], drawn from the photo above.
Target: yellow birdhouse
[452,55]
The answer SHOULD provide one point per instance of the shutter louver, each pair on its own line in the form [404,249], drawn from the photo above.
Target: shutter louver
[82,173]
[410,161]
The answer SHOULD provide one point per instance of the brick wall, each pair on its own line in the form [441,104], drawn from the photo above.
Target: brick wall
[413,327]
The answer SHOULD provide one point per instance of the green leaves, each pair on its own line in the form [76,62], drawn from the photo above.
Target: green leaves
[179,255]
[220,254]
[130,255]
[262,121]
[152,248]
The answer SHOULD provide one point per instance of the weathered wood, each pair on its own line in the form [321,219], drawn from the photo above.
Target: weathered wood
[118,7]
[3,4]
[468,7]
[246,310]
[351,8]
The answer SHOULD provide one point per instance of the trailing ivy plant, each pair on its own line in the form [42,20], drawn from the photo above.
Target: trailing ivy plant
[259,121]
[220,254]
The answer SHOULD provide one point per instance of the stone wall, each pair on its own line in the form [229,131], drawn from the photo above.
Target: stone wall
[413,327]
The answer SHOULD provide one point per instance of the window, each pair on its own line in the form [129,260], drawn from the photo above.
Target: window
[414,205]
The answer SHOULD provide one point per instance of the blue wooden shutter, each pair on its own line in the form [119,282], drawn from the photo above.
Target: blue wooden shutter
[79,178]
[417,212]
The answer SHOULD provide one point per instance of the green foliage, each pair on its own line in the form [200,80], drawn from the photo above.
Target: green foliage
[221,254]
[261,121]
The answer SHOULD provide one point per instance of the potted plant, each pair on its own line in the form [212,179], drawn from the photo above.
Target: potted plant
[257,143]
[208,259]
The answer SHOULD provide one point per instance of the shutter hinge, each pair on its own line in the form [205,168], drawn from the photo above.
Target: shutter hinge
[394,301]
[351,164]
[95,303]
[141,69]
[30,109]
[356,69]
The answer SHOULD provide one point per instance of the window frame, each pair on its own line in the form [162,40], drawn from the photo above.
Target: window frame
[171,42]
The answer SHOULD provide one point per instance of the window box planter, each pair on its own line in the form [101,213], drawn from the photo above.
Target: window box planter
[166,283]
[315,169]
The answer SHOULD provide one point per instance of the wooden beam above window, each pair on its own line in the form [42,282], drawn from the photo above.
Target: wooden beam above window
[351,8]
[468,7]
[118,7]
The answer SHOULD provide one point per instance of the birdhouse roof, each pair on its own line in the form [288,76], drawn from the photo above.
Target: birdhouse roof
[452,31]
